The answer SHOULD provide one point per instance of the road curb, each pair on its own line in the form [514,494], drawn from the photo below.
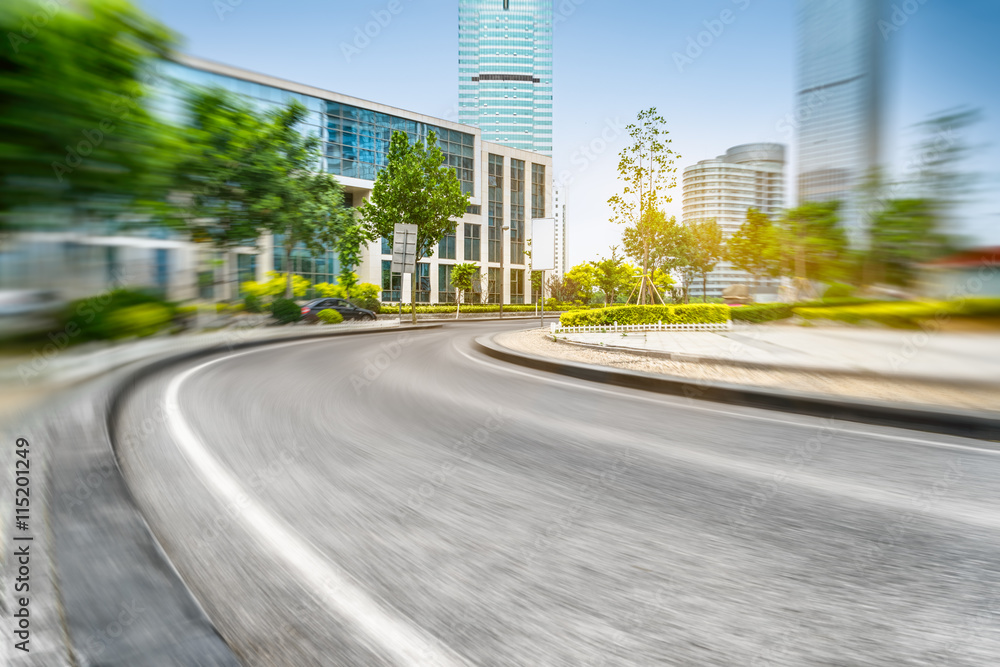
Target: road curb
[782,368]
[106,555]
[966,424]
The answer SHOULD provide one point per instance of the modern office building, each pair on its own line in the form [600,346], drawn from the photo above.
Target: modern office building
[507,187]
[505,71]
[839,101]
[561,243]
[723,189]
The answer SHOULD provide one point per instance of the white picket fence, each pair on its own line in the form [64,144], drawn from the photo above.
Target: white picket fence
[557,328]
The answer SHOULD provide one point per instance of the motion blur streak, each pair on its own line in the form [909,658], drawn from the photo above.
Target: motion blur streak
[406,644]
[589,527]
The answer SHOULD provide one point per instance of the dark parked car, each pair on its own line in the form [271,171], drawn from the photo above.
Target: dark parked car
[349,311]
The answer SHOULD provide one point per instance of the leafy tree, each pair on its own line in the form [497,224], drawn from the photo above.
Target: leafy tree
[903,235]
[814,243]
[706,250]
[612,275]
[74,128]
[646,167]
[585,276]
[754,247]
[463,276]
[660,238]
[247,174]
[414,188]
[564,289]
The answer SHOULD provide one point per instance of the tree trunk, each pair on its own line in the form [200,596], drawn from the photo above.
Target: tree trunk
[645,270]
[458,302]
[704,288]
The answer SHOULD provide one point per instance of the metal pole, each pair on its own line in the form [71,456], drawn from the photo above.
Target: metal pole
[502,230]
[541,298]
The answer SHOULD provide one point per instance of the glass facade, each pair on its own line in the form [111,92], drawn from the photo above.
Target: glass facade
[516,211]
[537,190]
[392,283]
[355,140]
[446,291]
[517,286]
[321,269]
[423,278]
[446,247]
[495,209]
[493,288]
[839,105]
[505,71]
[472,232]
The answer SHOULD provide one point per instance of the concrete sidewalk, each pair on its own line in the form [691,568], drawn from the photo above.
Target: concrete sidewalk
[948,357]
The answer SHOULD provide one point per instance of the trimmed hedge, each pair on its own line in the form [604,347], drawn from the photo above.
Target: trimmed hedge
[470,308]
[695,313]
[761,312]
[285,311]
[330,316]
[905,314]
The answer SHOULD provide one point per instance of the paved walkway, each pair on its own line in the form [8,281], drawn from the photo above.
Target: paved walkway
[945,356]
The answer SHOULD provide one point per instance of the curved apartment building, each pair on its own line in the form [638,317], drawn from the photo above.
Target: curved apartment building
[724,188]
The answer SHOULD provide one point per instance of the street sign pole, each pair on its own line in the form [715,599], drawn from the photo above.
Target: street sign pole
[404,259]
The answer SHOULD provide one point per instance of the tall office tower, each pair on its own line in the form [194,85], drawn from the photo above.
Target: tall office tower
[505,71]
[723,189]
[839,100]
[559,213]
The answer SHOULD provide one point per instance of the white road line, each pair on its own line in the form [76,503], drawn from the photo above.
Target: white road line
[387,630]
[673,401]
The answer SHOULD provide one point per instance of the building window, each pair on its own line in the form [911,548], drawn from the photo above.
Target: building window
[246,270]
[322,268]
[493,288]
[423,278]
[446,247]
[472,242]
[517,285]
[446,291]
[474,295]
[495,207]
[386,247]
[537,190]
[517,211]
[392,283]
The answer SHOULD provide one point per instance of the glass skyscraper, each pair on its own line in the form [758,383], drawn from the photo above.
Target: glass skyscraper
[505,71]
[839,101]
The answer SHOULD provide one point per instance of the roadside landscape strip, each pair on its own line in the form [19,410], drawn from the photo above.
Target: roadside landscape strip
[967,424]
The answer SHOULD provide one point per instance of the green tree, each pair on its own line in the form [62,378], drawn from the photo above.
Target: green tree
[754,248]
[585,277]
[706,250]
[647,169]
[564,289]
[903,235]
[814,244]
[463,277]
[612,275]
[414,188]
[75,131]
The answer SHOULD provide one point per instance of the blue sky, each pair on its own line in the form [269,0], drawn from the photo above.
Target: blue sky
[613,59]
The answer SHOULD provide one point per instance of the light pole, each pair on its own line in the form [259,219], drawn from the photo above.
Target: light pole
[502,230]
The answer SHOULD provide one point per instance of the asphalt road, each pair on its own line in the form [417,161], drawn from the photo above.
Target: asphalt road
[400,499]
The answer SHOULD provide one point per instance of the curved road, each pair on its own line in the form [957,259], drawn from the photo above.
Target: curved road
[399,499]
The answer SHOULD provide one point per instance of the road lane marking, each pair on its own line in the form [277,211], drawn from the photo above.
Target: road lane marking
[385,628]
[588,385]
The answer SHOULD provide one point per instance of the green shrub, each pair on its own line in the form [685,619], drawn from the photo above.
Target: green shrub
[761,312]
[141,320]
[285,311]
[838,291]
[330,316]
[695,313]
[366,295]
[96,318]
[389,309]
[838,301]
[900,314]
[253,304]
[978,307]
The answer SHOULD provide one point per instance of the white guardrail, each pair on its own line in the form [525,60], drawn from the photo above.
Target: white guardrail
[627,328]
